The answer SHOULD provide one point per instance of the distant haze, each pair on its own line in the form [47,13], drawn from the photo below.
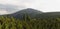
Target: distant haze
[3,12]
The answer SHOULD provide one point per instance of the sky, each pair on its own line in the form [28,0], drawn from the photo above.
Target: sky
[40,5]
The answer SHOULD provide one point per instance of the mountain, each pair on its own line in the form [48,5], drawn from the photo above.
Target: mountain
[50,15]
[33,14]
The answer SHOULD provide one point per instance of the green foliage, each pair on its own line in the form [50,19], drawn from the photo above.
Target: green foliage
[29,23]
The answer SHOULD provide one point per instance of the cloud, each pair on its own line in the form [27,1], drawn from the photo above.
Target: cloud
[26,3]
[9,8]
[49,5]
[41,5]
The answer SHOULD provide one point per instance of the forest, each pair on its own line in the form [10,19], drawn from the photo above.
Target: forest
[29,23]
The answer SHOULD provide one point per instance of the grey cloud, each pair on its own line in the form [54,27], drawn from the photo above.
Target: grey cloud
[10,8]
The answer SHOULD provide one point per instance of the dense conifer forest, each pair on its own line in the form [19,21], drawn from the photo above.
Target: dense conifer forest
[28,23]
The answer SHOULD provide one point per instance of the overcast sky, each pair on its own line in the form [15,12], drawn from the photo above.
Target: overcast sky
[41,5]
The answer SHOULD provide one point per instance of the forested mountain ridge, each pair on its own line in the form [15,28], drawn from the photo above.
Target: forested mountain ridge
[33,14]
